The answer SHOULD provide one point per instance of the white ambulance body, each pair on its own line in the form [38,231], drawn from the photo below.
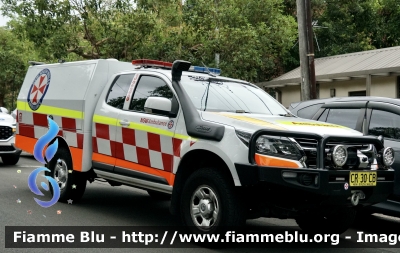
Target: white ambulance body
[195,136]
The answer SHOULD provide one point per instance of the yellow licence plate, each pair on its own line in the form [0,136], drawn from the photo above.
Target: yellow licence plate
[363,178]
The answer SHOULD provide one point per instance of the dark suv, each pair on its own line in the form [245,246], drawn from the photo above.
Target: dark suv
[369,115]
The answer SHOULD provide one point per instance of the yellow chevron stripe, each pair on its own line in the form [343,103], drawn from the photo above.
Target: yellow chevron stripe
[254,121]
[51,110]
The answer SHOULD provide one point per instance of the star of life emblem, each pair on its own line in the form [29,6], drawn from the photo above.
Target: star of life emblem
[38,89]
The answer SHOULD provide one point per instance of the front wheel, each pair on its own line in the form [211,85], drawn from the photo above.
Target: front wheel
[72,183]
[209,203]
[335,223]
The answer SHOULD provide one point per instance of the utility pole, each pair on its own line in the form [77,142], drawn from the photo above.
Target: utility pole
[306,50]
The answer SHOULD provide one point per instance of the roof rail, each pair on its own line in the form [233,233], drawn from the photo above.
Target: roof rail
[33,63]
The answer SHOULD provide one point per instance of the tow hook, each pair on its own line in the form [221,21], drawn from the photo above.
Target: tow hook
[355,198]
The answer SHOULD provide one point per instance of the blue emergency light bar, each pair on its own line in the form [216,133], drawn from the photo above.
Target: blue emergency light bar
[205,70]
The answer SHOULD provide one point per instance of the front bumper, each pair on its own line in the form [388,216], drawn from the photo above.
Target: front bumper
[272,185]
[311,188]
[8,147]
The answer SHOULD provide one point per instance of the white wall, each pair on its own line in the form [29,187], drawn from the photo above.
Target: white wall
[384,86]
[380,87]
[290,94]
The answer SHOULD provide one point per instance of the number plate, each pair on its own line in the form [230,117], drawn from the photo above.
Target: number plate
[363,178]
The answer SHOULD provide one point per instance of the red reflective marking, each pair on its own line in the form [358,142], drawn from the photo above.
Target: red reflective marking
[68,123]
[128,136]
[167,162]
[143,156]
[154,142]
[176,145]
[80,140]
[40,119]
[102,131]
[152,62]
[119,151]
[27,130]
[94,144]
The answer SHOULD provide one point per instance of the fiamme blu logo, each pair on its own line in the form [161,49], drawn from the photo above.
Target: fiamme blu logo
[49,154]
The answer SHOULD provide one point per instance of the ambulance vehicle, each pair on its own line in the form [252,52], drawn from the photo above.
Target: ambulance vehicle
[221,149]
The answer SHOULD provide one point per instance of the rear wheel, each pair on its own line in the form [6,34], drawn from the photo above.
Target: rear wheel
[72,184]
[209,203]
[10,159]
[335,223]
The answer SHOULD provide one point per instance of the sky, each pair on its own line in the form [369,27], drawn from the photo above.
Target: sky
[3,20]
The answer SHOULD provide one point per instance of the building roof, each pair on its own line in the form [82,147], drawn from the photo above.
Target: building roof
[380,62]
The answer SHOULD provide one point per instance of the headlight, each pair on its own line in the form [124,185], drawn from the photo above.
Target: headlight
[339,155]
[279,147]
[244,137]
[388,156]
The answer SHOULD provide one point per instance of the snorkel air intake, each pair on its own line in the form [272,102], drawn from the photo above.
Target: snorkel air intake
[195,126]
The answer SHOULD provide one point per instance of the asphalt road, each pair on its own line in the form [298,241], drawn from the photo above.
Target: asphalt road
[103,205]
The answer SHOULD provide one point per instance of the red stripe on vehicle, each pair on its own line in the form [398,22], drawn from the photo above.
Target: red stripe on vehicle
[154,142]
[128,136]
[80,140]
[26,130]
[94,144]
[143,156]
[102,131]
[119,150]
[40,119]
[68,123]
[176,145]
[167,160]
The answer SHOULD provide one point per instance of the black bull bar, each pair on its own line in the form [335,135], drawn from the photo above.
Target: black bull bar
[322,140]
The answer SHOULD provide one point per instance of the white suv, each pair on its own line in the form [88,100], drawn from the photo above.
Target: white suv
[8,152]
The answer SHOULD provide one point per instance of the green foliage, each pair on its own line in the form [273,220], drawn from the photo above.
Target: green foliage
[251,36]
[14,55]
[256,40]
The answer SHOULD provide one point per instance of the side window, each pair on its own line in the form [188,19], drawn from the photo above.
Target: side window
[117,94]
[309,111]
[149,86]
[344,117]
[324,115]
[384,123]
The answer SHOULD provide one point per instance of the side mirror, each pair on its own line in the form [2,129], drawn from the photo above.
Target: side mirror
[158,105]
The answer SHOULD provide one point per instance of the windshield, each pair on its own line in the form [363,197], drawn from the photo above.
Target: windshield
[229,96]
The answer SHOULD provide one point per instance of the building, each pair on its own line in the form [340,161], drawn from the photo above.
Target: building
[367,73]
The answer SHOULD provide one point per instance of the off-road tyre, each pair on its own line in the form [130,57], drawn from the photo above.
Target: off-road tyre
[231,211]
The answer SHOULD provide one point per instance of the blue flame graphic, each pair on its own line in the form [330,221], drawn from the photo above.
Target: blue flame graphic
[44,140]
[49,153]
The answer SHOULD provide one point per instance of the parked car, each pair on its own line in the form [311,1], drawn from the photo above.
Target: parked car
[369,115]
[8,152]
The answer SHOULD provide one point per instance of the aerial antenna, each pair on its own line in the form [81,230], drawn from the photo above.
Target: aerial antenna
[316,26]
[208,70]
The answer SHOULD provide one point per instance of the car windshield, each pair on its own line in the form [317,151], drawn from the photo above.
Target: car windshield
[228,96]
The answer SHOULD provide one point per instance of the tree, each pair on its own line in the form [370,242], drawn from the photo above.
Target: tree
[14,56]
[251,37]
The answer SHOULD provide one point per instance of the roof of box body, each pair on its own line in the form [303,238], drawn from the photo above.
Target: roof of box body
[380,62]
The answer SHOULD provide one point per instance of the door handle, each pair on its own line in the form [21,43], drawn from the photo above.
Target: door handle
[124,122]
